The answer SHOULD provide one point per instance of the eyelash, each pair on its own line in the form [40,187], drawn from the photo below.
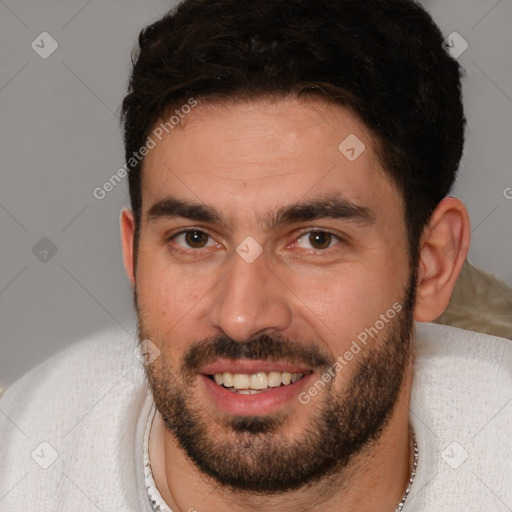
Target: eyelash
[197,252]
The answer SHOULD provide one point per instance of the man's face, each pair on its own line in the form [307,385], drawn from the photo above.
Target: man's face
[299,250]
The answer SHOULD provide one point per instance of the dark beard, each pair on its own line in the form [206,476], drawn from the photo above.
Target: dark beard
[254,453]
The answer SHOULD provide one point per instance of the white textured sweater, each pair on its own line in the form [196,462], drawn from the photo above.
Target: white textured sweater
[72,429]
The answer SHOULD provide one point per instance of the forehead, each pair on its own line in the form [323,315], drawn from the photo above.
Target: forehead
[254,155]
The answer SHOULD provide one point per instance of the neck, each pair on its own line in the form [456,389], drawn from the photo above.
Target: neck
[374,481]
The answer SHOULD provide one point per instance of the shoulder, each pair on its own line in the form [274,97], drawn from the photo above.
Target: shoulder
[462,371]
[75,413]
[67,383]
[440,344]
[91,361]
[458,361]
[461,408]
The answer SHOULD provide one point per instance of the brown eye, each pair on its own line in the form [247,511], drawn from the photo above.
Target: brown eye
[196,239]
[192,239]
[317,240]
[320,239]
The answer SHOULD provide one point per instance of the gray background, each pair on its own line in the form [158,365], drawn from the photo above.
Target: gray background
[60,139]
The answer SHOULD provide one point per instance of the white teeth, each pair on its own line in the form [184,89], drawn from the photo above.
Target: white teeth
[258,381]
[241,381]
[227,379]
[274,379]
[250,384]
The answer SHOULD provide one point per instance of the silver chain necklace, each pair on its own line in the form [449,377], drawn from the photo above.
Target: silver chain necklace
[413,472]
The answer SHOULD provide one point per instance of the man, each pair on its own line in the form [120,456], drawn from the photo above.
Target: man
[290,164]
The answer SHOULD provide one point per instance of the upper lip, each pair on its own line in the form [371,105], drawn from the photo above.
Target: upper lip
[250,366]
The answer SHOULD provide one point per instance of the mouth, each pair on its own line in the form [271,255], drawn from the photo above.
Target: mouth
[252,384]
[248,387]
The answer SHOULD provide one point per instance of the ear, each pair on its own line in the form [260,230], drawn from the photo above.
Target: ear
[443,249]
[127,224]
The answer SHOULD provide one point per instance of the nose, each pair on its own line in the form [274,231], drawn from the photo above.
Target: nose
[249,300]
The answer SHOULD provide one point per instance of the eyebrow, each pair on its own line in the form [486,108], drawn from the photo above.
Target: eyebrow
[331,206]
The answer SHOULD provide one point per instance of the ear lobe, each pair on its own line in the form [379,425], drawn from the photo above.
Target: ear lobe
[127,225]
[443,250]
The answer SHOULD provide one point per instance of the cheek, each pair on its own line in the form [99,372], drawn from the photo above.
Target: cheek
[165,290]
[344,304]
[166,300]
[164,317]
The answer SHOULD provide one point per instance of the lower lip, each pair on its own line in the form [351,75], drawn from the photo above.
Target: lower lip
[264,402]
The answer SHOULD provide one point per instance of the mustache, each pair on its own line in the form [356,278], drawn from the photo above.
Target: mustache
[267,347]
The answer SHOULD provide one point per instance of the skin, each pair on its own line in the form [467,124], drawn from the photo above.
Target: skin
[246,159]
